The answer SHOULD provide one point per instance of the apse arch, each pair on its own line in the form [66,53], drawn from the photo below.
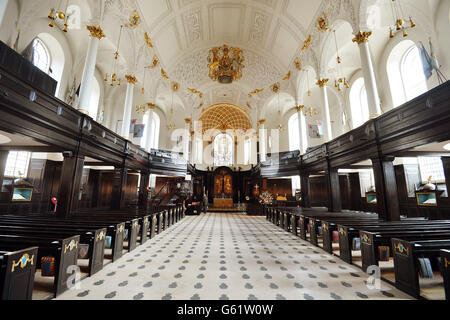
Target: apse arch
[225,117]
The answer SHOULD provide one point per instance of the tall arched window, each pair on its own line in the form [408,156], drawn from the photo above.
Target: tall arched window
[359,103]
[405,71]
[414,81]
[223,150]
[40,55]
[294,133]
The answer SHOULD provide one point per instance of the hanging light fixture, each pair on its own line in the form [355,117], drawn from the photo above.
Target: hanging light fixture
[400,20]
[225,64]
[171,126]
[309,85]
[340,79]
[58,14]
[113,77]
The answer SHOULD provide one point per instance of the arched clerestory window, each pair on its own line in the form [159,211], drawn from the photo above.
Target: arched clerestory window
[406,73]
[40,55]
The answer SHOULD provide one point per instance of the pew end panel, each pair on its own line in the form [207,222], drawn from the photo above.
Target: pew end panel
[294,225]
[302,226]
[98,252]
[368,250]
[144,229]
[117,241]
[153,226]
[64,262]
[405,266]
[327,237]
[17,274]
[345,251]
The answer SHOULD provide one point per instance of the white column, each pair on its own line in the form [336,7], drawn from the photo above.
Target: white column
[262,141]
[362,38]
[151,136]
[126,123]
[89,68]
[323,89]
[302,128]
[186,138]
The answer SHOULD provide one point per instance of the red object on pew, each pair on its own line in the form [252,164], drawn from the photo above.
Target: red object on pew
[55,202]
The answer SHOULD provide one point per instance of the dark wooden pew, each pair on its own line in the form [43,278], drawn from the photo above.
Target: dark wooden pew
[65,252]
[17,270]
[143,220]
[406,263]
[94,238]
[370,241]
[352,230]
[115,230]
[131,226]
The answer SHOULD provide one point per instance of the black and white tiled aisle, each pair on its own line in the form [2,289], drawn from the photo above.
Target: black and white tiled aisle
[226,256]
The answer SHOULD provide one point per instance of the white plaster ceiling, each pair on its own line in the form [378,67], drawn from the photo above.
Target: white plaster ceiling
[270,32]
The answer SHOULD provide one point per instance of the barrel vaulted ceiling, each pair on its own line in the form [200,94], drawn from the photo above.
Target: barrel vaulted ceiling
[270,32]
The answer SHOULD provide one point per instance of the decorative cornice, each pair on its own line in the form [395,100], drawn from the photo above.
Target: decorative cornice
[362,37]
[131,79]
[322,82]
[261,122]
[96,32]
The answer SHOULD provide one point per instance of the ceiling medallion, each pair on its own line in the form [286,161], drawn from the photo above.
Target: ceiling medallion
[225,64]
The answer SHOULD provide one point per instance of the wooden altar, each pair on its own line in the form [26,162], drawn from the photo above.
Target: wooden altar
[223,203]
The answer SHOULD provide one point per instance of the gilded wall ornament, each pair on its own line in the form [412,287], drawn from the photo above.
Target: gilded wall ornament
[131,79]
[96,32]
[362,37]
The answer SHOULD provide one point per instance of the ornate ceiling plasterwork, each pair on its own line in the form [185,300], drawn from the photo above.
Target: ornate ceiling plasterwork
[225,117]
[193,70]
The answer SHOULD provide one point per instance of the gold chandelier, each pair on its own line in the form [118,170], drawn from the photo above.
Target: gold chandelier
[59,14]
[400,19]
[225,64]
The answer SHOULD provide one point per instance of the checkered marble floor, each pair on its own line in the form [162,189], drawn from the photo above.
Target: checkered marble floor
[226,256]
